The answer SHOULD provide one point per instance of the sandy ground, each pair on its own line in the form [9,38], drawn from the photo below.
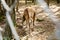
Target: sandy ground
[42,29]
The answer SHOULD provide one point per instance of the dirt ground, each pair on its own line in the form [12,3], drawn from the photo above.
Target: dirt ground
[44,26]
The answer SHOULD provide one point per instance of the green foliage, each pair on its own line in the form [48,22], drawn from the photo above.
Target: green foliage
[6,38]
[1,18]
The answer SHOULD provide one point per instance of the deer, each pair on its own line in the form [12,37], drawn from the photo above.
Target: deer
[29,15]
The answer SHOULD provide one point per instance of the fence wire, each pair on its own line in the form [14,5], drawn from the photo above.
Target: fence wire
[8,17]
[51,16]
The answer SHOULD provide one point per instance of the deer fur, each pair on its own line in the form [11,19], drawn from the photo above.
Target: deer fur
[29,15]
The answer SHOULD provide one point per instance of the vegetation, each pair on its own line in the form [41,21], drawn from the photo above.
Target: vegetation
[42,28]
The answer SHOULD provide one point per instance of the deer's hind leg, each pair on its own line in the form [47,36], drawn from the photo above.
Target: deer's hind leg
[27,22]
[33,19]
[33,22]
[23,19]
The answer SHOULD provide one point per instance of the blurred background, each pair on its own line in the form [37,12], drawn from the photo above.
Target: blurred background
[44,27]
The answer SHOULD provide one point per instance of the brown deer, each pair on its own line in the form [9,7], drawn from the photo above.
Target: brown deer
[29,15]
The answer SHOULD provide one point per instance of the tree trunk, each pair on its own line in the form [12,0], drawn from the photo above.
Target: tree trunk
[58,1]
[34,1]
[25,1]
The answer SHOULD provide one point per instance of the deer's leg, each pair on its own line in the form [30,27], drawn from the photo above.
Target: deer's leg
[27,21]
[23,19]
[33,19]
[28,25]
